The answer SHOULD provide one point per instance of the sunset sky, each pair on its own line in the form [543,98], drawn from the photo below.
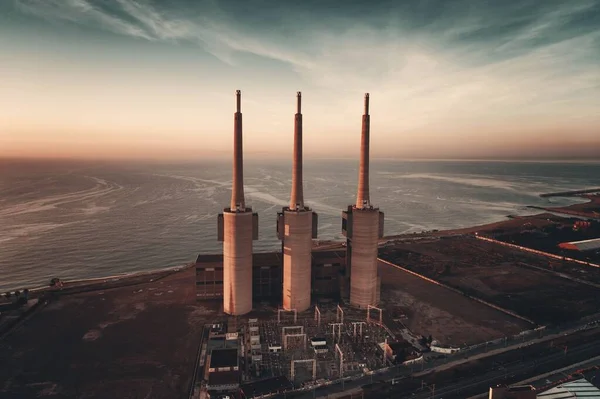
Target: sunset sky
[156,79]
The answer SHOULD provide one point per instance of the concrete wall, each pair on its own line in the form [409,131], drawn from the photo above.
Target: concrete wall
[237,262]
[297,249]
[363,264]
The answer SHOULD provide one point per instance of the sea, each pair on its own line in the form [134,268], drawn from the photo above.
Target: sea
[77,220]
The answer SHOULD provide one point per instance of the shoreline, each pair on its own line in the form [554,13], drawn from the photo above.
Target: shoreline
[590,210]
[317,246]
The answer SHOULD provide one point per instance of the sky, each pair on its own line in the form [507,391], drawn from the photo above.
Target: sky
[157,79]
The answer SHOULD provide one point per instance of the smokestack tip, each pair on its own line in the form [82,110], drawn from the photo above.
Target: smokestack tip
[299,103]
[366,103]
[238,94]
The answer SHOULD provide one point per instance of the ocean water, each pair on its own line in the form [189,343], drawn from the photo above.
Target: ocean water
[81,220]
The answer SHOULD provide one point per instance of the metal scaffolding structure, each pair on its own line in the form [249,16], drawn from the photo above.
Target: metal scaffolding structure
[369,308]
[286,336]
[341,358]
[295,331]
[317,316]
[339,331]
[339,312]
[360,327]
[286,311]
[293,370]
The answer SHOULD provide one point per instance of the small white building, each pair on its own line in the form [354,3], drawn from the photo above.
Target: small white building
[274,348]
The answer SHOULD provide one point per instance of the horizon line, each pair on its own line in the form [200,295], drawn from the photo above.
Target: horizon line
[249,157]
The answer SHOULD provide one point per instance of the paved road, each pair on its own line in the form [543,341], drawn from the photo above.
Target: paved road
[197,376]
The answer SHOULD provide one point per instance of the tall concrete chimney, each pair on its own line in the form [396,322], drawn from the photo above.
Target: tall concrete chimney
[297,199]
[237,191]
[362,198]
[296,227]
[237,228]
[362,224]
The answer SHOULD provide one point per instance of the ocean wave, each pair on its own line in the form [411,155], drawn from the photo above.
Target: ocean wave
[94,209]
[469,181]
[30,230]
[253,192]
[195,179]
[102,188]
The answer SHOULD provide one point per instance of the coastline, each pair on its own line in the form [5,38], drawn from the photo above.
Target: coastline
[590,210]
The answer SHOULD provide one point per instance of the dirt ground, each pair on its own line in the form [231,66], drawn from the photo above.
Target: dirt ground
[130,342]
[447,316]
[499,275]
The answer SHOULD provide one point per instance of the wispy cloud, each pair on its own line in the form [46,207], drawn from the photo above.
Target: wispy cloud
[209,28]
[459,62]
[82,12]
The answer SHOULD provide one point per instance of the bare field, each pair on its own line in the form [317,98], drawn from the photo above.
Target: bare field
[129,342]
[449,317]
[505,277]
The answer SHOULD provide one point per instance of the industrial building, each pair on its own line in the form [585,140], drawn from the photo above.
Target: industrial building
[296,227]
[362,225]
[327,270]
[237,228]
[222,371]
[294,277]
[580,388]
[399,351]
[584,245]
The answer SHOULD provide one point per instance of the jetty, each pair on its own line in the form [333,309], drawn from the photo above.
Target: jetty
[570,193]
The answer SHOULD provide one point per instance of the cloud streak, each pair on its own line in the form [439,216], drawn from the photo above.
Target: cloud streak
[432,66]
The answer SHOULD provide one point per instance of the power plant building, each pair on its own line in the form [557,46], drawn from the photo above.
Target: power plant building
[237,228]
[327,268]
[299,273]
[296,227]
[362,225]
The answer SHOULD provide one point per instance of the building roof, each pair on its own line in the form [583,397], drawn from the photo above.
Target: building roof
[223,378]
[585,245]
[328,254]
[400,346]
[266,386]
[271,258]
[223,358]
[575,389]
[209,258]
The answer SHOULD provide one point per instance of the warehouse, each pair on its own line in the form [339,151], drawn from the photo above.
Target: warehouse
[585,245]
